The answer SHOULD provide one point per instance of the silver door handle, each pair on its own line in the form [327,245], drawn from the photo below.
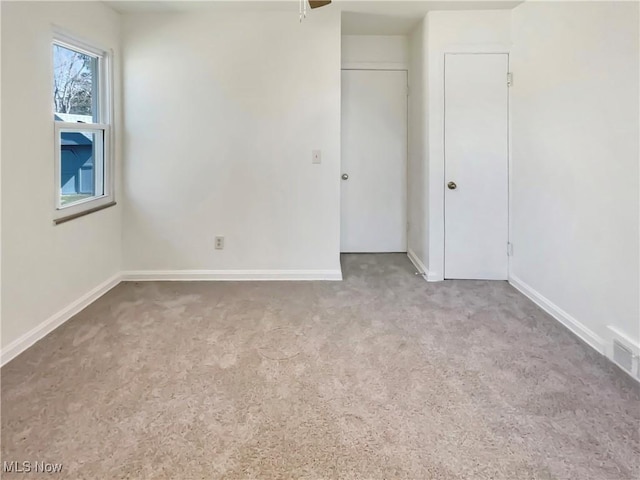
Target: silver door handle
[345,176]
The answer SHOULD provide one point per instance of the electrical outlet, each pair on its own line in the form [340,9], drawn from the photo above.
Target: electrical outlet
[219,242]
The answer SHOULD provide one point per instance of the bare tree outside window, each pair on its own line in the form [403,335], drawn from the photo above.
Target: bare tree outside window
[73,82]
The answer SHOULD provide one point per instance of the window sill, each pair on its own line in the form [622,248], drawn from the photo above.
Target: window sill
[73,216]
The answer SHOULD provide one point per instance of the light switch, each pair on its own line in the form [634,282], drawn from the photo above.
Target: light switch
[316,156]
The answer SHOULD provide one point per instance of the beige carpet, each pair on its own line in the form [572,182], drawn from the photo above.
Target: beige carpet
[379,376]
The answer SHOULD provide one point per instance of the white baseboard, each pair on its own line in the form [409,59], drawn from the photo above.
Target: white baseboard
[23,342]
[422,270]
[426,274]
[434,277]
[584,333]
[230,275]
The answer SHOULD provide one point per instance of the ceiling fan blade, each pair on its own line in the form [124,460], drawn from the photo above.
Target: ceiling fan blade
[318,3]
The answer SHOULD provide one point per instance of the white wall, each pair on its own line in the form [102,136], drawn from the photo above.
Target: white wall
[223,111]
[452,31]
[375,50]
[46,267]
[575,136]
[418,174]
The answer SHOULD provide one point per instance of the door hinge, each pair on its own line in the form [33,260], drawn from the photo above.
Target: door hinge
[407,90]
[510,249]
[509,79]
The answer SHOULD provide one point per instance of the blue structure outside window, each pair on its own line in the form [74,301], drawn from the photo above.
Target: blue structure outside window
[77,164]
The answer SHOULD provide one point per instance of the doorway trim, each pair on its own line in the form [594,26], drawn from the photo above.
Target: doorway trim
[436,168]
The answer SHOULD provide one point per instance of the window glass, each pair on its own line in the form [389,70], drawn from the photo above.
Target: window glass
[75,85]
[81,165]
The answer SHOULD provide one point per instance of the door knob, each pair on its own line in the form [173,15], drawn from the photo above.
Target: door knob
[452,185]
[345,176]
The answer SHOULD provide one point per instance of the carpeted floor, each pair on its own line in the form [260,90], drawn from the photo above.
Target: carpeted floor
[381,376]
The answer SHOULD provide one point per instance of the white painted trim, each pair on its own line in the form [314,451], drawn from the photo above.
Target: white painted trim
[25,341]
[427,275]
[584,333]
[435,277]
[230,275]
[417,263]
[374,66]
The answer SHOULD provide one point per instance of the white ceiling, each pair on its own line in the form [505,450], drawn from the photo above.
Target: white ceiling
[367,17]
[359,17]
[163,6]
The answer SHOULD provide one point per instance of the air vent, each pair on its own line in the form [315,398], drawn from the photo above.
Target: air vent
[622,356]
[624,351]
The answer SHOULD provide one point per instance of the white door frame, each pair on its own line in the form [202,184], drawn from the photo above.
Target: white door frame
[384,67]
[435,267]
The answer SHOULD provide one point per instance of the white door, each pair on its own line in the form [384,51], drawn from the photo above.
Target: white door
[476,166]
[374,161]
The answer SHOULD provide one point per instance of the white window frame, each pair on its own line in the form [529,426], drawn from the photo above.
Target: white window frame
[103,104]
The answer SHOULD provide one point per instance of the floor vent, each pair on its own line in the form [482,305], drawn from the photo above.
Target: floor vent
[623,356]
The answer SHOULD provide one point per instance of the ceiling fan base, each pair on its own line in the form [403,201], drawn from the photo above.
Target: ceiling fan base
[318,3]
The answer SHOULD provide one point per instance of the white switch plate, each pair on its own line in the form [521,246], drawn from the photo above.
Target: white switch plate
[316,156]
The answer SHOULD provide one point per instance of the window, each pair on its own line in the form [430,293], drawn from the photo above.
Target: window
[81,101]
